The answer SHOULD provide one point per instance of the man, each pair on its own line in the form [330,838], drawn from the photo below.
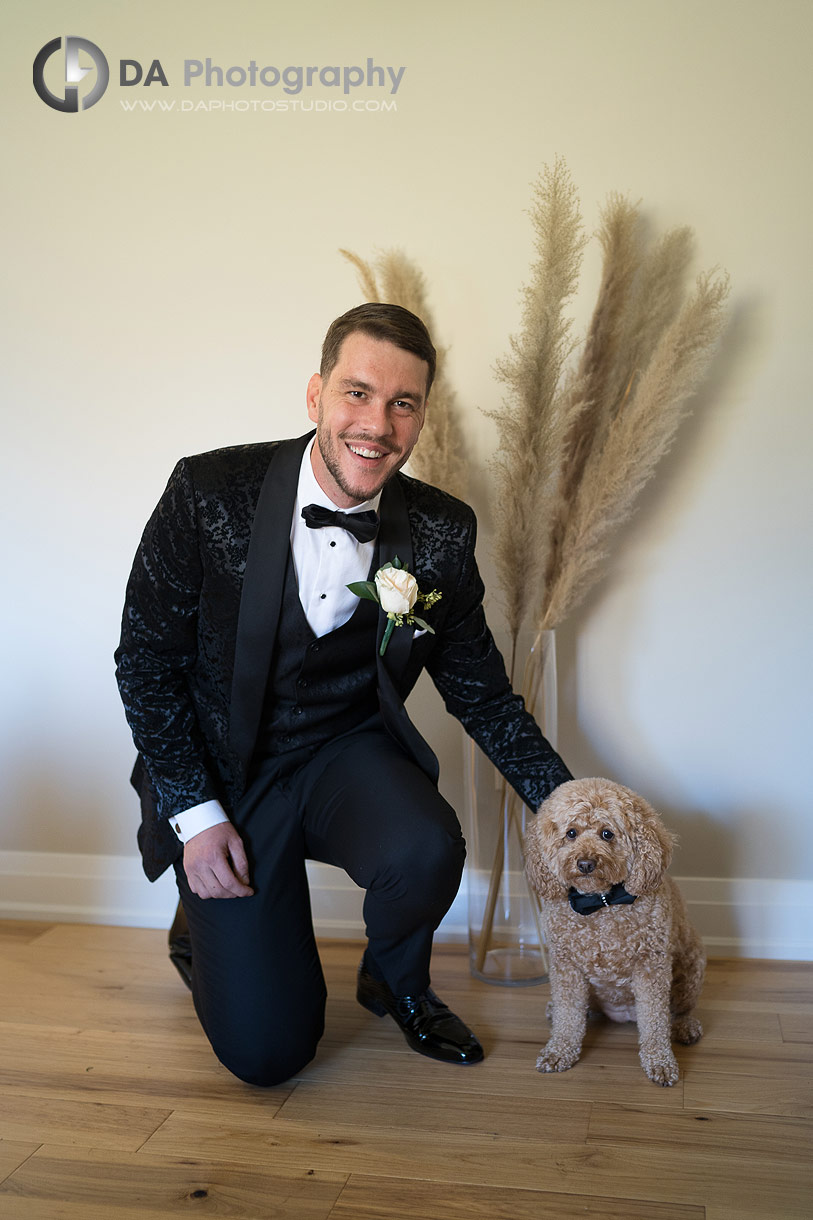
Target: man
[271,728]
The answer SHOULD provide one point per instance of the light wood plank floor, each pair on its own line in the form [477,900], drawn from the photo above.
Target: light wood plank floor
[112,1106]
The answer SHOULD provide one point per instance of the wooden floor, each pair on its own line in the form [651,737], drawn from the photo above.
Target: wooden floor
[112,1105]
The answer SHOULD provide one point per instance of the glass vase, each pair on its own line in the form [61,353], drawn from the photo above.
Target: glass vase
[506,942]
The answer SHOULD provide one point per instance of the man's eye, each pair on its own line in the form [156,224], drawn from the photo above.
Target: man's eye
[403,405]
[356,393]
[607,834]
[572,833]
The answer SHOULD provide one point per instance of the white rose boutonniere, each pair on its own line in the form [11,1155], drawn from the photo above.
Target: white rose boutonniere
[397,593]
[397,590]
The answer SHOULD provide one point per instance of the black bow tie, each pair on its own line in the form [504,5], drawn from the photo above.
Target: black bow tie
[587,904]
[363,526]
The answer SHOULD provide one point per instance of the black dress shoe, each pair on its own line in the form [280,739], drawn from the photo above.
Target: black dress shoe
[428,1025]
[180,946]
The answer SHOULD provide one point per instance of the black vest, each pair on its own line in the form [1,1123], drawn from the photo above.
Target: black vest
[317,687]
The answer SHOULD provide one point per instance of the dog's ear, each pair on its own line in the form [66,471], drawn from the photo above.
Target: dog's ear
[652,844]
[541,879]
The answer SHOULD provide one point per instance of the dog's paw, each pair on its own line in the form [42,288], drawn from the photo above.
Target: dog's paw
[686,1030]
[556,1058]
[661,1069]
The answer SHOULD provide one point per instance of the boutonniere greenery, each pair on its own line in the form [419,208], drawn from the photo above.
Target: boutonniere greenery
[397,593]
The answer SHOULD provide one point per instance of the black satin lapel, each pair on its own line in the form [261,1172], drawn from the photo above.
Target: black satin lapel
[394,539]
[261,596]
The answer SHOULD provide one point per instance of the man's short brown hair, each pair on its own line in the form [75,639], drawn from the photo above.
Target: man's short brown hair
[391,323]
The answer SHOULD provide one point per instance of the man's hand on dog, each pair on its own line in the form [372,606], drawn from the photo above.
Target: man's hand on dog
[215,863]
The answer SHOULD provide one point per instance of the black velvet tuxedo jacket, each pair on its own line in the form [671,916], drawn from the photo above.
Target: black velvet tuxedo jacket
[200,619]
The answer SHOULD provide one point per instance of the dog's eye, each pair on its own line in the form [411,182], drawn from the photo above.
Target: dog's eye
[572,833]
[607,834]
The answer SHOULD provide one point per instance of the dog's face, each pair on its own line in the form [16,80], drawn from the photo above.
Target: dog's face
[592,834]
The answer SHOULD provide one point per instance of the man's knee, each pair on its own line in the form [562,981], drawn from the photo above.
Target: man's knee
[266,1066]
[267,1040]
[270,1056]
[437,853]
[428,868]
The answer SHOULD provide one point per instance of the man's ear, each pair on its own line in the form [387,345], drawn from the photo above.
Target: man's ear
[312,397]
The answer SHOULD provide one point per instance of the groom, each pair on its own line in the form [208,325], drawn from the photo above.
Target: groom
[270,727]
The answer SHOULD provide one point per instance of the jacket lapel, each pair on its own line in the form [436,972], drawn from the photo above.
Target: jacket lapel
[261,596]
[395,538]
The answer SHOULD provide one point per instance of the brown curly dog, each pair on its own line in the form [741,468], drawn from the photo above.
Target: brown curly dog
[617,928]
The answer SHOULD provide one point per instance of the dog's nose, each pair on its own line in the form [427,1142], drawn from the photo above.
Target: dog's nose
[585,866]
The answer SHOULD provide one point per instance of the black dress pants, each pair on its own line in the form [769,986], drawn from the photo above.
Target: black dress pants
[357,802]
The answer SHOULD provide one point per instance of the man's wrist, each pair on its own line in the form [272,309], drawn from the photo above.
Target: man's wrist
[197,819]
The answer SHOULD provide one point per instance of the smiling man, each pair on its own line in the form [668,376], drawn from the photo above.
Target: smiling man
[270,728]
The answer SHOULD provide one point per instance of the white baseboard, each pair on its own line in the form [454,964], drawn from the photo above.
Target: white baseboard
[69,888]
[736,917]
[752,917]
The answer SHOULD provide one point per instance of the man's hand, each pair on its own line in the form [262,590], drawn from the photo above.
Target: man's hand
[215,863]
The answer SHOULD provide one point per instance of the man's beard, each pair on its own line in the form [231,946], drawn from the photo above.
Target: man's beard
[331,459]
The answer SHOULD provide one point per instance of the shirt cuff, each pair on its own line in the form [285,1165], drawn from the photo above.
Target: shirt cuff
[200,817]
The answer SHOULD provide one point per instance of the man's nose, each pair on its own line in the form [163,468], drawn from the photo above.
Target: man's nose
[377,417]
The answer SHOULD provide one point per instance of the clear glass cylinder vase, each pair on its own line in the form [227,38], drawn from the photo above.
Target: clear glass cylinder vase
[506,942]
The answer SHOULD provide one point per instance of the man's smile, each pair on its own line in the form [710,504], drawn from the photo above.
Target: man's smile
[363,452]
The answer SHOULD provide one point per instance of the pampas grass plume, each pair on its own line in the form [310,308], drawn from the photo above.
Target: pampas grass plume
[638,436]
[538,413]
[579,442]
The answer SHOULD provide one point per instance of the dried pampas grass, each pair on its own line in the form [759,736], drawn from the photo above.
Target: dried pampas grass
[439,457]
[578,442]
[637,437]
[534,424]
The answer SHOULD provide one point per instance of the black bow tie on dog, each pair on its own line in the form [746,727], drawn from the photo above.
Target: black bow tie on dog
[587,904]
[363,526]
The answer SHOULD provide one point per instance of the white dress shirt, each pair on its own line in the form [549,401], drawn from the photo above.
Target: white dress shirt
[326,561]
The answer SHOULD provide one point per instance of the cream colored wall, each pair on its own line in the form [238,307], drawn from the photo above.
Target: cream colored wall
[168,277]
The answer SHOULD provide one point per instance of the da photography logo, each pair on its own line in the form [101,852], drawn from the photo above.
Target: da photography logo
[74,73]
